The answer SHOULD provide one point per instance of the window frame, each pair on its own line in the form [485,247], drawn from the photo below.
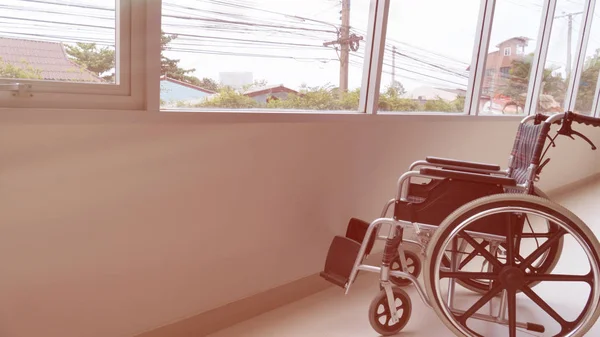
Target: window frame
[139,90]
[129,65]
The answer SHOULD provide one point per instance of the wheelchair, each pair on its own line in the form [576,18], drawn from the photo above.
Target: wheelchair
[486,237]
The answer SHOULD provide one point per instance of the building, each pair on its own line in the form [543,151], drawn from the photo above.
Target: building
[49,59]
[264,94]
[173,91]
[499,63]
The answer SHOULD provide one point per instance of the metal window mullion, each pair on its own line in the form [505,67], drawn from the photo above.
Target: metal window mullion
[582,43]
[539,58]
[368,58]
[594,111]
[480,52]
[377,55]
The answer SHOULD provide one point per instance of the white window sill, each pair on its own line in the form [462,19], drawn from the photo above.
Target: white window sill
[182,116]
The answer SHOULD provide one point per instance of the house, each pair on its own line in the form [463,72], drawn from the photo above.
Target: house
[49,59]
[499,63]
[264,94]
[173,91]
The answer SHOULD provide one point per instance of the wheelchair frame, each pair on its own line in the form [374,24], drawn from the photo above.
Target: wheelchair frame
[423,232]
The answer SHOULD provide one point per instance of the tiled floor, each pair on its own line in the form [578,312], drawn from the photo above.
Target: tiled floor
[331,314]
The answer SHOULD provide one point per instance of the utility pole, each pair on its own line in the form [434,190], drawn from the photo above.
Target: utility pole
[346,42]
[393,65]
[569,16]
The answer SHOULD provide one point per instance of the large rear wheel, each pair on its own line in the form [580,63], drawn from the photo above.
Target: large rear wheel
[566,300]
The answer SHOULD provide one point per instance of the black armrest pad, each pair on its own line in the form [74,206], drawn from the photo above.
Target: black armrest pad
[469,164]
[475,177]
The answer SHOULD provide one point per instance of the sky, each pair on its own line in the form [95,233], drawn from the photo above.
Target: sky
[281,41]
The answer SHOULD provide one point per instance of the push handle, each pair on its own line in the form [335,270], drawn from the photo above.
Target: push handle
[587,120]
[571,117]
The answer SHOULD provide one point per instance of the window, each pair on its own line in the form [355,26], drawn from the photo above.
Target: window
[79,49]
[239,54]
[587,87]
[425,68]
[559,60]
[520,49]
[516,24]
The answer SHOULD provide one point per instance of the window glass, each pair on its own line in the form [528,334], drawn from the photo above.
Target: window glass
[508,61]
[54,40]
[426,68]
[591,68]
[263,54]
[561,55]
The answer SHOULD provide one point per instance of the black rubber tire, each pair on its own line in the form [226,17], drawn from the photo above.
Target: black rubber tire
[381,301]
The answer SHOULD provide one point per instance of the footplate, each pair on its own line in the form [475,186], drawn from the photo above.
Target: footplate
[340,260]
[357,229]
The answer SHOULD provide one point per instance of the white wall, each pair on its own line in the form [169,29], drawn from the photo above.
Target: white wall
[111,229]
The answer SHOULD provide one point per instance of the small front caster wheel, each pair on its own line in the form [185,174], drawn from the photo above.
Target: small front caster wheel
[413,264]
[380,316]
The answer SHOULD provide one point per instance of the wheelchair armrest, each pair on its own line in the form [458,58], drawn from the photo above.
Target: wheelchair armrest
[475,177]
[460,163]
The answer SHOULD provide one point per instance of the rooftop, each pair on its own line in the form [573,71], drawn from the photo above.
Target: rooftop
[49,58]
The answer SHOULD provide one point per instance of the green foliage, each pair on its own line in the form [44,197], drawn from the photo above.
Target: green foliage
[170,67]
[318,98]
[392,102]
[26,71]
[97,60]
[325,98]
[228,99]
[518,81]
[587,86]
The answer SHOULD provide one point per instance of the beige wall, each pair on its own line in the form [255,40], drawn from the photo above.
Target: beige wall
[111,229]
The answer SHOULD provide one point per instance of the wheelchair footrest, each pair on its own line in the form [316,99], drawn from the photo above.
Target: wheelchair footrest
[357,229]
[340,260]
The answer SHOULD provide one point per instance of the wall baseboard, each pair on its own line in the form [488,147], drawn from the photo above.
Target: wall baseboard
[230,314]
[222,317]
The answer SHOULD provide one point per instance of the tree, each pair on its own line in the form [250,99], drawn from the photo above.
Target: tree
[170,67]
[518,81]
[97,60]
[587,84]
[395,89]
[26,71]
[229,99]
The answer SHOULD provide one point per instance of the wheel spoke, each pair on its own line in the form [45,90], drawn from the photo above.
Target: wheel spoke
[462,275]
[544,306]
[539,251]
[472,255]
[512,312]
[560,277]
[510,243]
[480,303]
[493,260]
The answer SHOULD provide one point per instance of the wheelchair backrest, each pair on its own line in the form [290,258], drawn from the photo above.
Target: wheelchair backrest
[527,151]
